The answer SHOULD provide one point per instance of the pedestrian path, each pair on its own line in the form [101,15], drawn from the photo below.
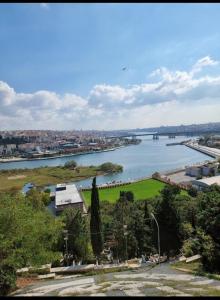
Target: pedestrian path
[158,281]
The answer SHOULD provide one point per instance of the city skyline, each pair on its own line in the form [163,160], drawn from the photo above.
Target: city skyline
[108,66]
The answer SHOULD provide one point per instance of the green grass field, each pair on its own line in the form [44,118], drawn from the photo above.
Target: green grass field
[142,190]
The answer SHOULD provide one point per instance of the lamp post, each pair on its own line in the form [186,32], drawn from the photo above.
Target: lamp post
[126,241]
[66,239]
[158,230]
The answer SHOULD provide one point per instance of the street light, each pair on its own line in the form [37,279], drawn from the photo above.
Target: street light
[126,241]
[158,235]
[66,239]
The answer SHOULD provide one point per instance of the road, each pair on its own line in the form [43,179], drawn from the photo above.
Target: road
[158,281]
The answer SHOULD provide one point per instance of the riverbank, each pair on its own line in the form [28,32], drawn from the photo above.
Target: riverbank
[14,180]
[17,159]
[212,152]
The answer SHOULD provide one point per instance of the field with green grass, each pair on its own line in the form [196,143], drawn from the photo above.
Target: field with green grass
[142,190]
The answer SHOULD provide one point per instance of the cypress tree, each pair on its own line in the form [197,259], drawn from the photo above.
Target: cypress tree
[95,222]
[169,224]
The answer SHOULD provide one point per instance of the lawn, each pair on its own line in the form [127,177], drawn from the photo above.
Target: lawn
[142,190]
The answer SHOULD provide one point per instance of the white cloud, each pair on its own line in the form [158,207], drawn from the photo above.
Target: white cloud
[201,63]
[176,97]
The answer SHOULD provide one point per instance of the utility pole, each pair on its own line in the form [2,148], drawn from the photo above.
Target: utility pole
[66,239]
[158,230]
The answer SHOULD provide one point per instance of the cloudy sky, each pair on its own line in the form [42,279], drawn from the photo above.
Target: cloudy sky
[62,65]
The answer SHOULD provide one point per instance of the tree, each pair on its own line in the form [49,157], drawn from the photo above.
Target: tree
[70,164]
[170,191]
[192,191]
[95,222]
[110,167]
[169,223]
[78,233]
[208,215]
[27,236]
[7,279]
[122,215]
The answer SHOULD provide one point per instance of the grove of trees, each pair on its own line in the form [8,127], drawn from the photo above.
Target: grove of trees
[31,236]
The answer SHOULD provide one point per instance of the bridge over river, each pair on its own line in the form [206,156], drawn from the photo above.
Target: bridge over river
[156,135]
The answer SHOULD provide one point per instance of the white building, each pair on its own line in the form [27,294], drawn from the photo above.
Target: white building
[68,196]
[206,182]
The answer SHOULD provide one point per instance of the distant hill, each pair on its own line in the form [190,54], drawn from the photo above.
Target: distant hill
[208,127]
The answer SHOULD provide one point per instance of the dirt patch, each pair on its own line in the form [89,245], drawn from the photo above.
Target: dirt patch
[17,177]
[22,282]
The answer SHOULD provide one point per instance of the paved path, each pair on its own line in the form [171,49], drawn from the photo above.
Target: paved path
[158,281]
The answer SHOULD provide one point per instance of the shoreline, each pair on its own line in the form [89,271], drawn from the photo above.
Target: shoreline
[8,160]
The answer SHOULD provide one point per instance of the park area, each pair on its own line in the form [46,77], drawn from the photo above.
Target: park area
[143,189]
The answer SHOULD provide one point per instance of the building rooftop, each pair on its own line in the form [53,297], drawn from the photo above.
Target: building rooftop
[66,194]
[210,180]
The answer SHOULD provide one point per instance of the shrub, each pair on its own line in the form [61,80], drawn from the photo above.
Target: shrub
[192,192]
[7,279]
[110,167]
[70,164]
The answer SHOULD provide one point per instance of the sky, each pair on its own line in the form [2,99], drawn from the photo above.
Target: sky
[108,66]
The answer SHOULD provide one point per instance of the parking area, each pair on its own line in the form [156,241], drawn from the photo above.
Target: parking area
[180,177]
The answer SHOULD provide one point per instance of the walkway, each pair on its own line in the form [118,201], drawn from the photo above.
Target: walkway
[158,281]
[214,152]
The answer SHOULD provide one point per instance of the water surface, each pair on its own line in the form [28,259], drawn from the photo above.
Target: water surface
[137,160]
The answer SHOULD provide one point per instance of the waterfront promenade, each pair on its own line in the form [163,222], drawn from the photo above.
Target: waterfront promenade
[213,152]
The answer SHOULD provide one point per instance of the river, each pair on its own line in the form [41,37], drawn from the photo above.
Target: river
[137,160]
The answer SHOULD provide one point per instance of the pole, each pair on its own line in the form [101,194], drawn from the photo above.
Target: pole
[158,237]
[66,239]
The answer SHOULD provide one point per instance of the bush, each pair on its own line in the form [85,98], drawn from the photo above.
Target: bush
[110,167]
[7,279]
[191,247]
[70,164]
[192,192]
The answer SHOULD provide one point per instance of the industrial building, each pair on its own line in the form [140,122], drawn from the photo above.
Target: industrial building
[210,169]
[202,184]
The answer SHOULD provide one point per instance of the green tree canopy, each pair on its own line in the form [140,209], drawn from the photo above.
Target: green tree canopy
[28,236]
[78,233]
[70,164]
[95,221]
[110,167]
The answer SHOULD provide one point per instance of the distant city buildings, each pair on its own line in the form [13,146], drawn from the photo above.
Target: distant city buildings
[45,143]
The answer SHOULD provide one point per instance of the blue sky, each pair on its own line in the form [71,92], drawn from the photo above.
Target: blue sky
[77,49]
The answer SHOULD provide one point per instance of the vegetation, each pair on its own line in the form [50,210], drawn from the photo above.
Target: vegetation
[7,279]
[14,180]
[95,222]
[28,235]
[31,236]
[144,189]
[70,164]
[79,245]
[169,221]
[109,167]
